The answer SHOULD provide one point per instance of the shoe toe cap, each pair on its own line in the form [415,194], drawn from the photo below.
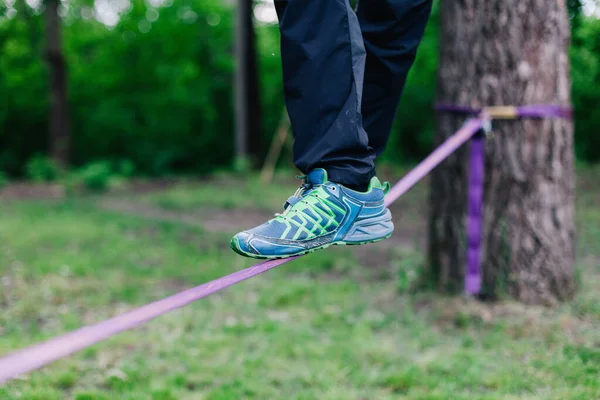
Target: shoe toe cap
[241,242]
[249,244]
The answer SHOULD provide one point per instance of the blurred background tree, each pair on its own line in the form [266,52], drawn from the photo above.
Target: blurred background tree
[152,82]
[60,117]
[247,91]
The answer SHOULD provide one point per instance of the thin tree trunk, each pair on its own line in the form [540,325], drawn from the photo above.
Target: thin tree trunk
[60,127]
[248,130]
[252,73]
[508,52]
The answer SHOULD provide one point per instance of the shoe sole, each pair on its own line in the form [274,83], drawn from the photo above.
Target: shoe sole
[235,247]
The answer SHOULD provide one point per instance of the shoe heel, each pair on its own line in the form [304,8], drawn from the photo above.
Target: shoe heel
[370,230]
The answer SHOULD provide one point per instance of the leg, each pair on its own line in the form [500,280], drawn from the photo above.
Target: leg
[392,30]
[323,60]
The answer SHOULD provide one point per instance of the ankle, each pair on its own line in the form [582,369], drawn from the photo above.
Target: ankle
[358,182]
[359,188]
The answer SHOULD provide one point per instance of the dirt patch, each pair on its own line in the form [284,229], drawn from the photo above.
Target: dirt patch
[53,191]
[216,220]
[142,186]
[234,220]
[33,191]
[142,210]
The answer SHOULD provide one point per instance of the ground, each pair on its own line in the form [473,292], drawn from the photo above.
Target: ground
[339,324]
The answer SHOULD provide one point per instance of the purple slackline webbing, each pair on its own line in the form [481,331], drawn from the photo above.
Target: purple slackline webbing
[530,111]
[475,214]
[476,180]
[37,356]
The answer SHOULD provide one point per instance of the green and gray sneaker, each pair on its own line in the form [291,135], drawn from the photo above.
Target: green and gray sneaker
[320,214]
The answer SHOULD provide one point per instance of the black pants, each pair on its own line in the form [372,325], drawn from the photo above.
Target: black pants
[343,75]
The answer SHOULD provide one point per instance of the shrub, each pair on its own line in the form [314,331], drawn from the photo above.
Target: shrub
[3,179]
[95,176]
[125,168]
[41,168]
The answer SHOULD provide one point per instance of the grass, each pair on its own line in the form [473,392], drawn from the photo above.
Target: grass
[327,326]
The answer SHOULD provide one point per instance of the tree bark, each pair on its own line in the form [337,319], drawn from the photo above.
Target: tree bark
[508,52]
[60,127]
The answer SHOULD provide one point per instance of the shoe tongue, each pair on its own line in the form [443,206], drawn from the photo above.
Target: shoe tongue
[317,176]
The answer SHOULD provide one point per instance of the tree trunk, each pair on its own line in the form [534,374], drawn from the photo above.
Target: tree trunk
[508,52]
[60,127]
[248,130]
[255,143]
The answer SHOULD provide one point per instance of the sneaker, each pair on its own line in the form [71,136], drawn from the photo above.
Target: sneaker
[318,215]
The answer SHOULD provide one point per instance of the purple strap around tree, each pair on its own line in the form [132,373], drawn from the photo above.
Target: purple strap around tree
[475,214]
[37,356]
[531,111]
[473,276]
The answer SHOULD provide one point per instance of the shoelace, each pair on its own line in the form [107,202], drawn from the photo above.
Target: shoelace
[300,193]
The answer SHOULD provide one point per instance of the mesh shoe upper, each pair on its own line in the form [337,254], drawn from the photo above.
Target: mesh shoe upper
[315,213]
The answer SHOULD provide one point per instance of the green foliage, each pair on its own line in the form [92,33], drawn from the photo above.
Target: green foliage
[99,176]
[271,84]
[95,176]
[575,12]
[23,88]
[169,108]
[125,168]
[41,168]
[585,64]
[157,87]
[414,128]
[3,179]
